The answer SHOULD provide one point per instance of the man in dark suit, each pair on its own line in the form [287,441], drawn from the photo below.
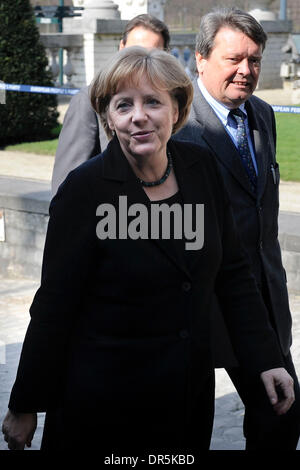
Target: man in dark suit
[82,136]
[228,55]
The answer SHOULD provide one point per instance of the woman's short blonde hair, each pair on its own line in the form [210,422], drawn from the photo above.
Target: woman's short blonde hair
[129,65]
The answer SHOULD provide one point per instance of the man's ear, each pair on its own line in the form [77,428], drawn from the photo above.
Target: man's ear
[121,45]
[200,62]
[175,112]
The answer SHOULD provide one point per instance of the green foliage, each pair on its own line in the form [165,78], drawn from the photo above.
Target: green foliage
[288,146]
[24,116]
[45,147]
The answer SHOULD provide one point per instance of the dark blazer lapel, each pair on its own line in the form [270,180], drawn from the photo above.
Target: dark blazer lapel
[218,140]
[183,166]
[260,141]
[117,169]
[187,181]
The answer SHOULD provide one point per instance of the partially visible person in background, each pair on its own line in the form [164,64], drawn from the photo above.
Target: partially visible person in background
[239,129]
[82,136]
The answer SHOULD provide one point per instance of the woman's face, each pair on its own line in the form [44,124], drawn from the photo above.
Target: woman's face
[142,118]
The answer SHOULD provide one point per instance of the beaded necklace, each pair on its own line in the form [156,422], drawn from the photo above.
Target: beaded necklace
[163,178]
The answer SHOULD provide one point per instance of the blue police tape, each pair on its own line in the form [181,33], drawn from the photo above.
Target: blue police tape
[38,89]
[73,91]
[286,109]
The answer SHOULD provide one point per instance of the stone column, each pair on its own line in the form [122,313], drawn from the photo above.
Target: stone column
[278,32]
[131,8]
[259,9]
[102,9]
[156,8]
[273,56]
[101,29]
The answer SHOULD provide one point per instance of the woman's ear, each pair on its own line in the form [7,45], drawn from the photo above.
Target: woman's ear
[109,122]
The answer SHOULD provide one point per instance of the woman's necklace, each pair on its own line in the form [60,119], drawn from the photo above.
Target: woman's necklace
[163,178]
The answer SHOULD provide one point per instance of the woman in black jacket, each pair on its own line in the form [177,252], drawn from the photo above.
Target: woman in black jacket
[140,240]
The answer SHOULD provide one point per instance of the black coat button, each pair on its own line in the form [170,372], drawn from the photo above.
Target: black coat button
[186,286]
[184,334]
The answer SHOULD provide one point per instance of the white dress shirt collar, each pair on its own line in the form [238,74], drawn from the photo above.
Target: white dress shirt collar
[219,108]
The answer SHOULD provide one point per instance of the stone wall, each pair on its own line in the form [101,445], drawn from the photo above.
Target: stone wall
[22,251]
[24,209]
[278,33]
[289,238]
[100,39]
[25,204]
[98,49]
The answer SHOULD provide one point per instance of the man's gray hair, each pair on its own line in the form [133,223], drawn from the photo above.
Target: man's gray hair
[231,18]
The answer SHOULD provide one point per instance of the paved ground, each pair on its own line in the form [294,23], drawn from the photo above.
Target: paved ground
[278,96]
[15,299]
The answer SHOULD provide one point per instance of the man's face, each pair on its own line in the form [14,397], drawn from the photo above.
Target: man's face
[143,37]
[230,74]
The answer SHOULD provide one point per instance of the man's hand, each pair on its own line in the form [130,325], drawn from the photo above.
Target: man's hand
[279,386]
[18,429]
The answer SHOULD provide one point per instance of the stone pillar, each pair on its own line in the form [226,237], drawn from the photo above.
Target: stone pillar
[101,29]
[273,56]
[102,9]
[156,8]
[259,9]
[277,31]
[131,8]
[128,9]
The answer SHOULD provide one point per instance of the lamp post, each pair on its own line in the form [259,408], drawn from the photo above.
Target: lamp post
[282,12]
[55,14]
[61,52]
